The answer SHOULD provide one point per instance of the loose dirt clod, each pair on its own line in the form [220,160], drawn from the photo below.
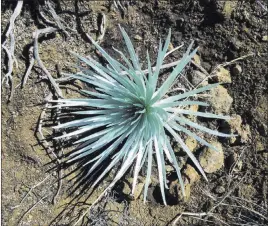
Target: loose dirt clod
[176,193]
[191,143]
[191,174]
[222,75]
[212,160]
[138,189]
[220,100]
[236,127]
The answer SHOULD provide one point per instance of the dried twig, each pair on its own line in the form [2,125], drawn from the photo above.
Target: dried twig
[33,187]
[31,208]
[231,62]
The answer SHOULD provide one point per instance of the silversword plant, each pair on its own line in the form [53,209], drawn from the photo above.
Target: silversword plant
[129,111]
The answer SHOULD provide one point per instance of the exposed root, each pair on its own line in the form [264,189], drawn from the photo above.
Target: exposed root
[36,35]
[58,23]
[10,48]
[29,69]
[57,19]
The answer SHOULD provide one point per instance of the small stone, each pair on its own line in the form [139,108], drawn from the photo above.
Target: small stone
[191,143]
[220,100]
[261,111]
[265,38]
[237,69]
[219,190]
[191,174]
[222,75]
[197,59]
[138,38]
[175,191]
[196,77]
[169,168]
[212,160]
[259,146]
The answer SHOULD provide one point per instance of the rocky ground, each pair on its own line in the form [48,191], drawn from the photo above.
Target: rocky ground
[232,40]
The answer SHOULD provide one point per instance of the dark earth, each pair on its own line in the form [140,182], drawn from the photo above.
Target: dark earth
[235,194]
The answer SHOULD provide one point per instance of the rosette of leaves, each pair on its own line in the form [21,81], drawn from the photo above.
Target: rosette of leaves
[129,111]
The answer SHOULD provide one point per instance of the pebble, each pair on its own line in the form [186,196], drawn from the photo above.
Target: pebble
[246,191]
[237,45]
[195,109]
[237,69]
[138,38]
[259,146]
[211,160]
[169,168]
[265,38]
[219,190]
